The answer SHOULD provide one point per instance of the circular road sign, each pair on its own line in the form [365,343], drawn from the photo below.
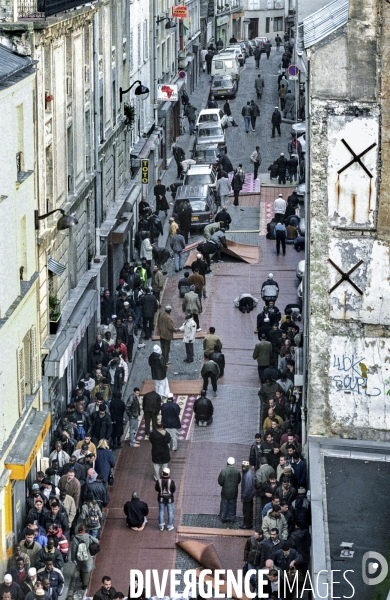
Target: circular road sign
[182,74]
[293,70]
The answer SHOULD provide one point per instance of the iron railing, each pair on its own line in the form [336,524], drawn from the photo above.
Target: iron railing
[40,9]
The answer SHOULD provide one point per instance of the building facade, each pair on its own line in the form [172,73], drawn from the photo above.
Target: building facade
[23,423]
[267,18]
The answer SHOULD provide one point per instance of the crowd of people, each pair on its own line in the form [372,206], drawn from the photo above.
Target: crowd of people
[65,510]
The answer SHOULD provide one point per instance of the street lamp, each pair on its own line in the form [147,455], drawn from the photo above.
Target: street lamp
[140,90]
[170,25]
[64,222]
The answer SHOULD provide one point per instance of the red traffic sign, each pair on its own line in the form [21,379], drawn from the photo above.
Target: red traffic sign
[293,70]
[182,74]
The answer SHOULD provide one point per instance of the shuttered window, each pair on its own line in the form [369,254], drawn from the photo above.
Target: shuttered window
[21,381]
[34,369]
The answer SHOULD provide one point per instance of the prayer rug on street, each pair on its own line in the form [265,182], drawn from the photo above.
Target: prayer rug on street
[186,403]
[250,185]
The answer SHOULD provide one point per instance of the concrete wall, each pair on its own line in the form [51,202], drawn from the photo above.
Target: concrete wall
[349,342]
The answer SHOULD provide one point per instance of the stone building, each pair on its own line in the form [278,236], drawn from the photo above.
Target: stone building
[81,167]
[345,46]
[23,423]
[266,18]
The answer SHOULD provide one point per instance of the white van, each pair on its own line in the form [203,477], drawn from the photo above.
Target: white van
[225,64]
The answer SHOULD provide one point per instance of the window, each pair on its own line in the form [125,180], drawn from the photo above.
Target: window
[270,4]
[146,40]
[253,4]
[21,380]
[131,53]
[267,21]
[278,24]
[139,46]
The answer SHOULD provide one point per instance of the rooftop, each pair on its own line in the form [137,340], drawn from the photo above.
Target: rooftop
[13,67]
[324,22]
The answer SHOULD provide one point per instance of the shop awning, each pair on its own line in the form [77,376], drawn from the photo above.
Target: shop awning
[27,444]
[70,337]
[55,267]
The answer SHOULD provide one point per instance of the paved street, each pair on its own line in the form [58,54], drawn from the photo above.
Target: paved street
[196,465]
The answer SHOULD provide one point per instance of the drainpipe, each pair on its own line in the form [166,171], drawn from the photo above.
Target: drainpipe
[155,62]
[96,134]
[306,295]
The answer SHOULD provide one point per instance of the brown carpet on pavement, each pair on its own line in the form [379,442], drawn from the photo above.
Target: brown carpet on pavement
[245,252]
[205,554]
[124,549]
[247,200]
[190,386]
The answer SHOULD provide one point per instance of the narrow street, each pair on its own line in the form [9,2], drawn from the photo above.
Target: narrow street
[203,452]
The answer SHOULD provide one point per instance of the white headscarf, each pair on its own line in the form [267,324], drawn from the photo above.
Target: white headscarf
[157,349]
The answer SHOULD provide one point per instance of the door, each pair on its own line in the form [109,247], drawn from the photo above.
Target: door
[18,508]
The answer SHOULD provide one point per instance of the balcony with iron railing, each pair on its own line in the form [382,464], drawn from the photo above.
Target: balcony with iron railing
[41,9]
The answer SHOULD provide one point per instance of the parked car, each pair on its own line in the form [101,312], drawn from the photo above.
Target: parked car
[235,50]
[205,155]
[224,87]
[210,133]
[201,175]
[244,48]
[300,290]
[298,129]
[302,227]
[225,64]
[202,203]
[250,47]
[301,191]
[260,41]
[215,116]
[300,270]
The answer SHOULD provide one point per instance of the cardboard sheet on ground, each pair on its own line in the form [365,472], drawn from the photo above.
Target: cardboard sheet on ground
[245,252]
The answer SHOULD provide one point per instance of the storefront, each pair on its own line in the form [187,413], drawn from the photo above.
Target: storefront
[22,462]
[68,357]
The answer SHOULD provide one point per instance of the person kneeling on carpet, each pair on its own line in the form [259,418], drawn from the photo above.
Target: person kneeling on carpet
[245,302]
[136,512]
[203,410]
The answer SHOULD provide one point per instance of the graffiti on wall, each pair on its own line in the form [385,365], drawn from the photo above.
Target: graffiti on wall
[351,375]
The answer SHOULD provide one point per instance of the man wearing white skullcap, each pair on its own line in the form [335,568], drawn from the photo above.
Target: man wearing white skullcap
[159,372]
[229,479]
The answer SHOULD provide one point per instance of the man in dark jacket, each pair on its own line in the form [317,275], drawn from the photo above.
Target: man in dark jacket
[55,516]
[166,488]
[271,546]
[10,586]
[276,120]
[96,487]
[229,479]
[161,456]
[223,218]
[219,358]
[286,558]
[257,55]
[246,113]
[255,453]
[133,411]
[203,409]
[160,195]
[210,370]
[259,86]
[136,512]
[254,549]
[190,110]
[225,163]
[255,112]
[101,425]
[106,592]
[49,552]
[247,494]
[151,406]
[267,48]
[149,306]
[55,577]
[300,540]
[170,417]
[184,219]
